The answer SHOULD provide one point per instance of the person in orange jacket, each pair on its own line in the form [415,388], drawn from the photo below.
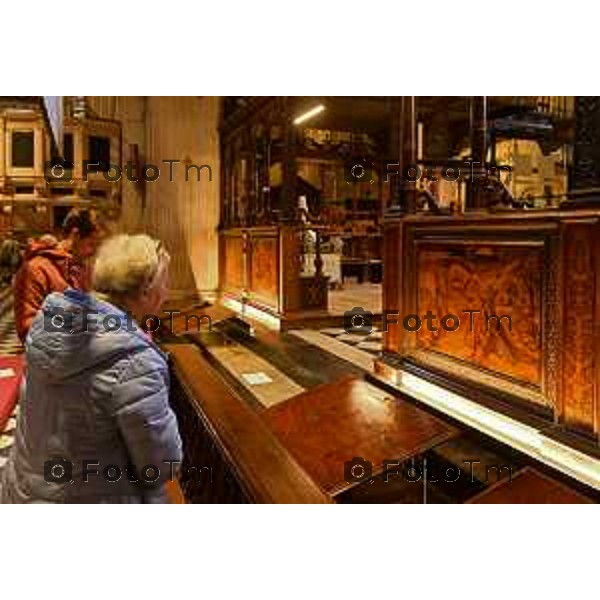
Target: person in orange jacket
[52,266]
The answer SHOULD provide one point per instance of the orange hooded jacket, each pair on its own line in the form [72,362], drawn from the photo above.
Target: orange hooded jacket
[47,267]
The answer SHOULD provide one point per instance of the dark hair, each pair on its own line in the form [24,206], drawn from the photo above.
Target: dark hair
[84,220]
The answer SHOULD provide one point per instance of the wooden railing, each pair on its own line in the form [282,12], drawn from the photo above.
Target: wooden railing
[230,454]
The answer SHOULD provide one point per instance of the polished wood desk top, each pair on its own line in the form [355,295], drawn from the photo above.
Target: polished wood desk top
[190,320]
[264,467]
[529,487]
[336,422]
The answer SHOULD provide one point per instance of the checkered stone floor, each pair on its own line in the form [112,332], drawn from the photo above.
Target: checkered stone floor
[9,345]
[7,439]
[371,343]
[9,342]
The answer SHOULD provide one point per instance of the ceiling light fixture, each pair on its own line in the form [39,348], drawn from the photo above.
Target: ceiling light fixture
[308,114]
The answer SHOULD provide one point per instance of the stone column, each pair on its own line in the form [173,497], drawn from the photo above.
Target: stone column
[183,214]
[181,210]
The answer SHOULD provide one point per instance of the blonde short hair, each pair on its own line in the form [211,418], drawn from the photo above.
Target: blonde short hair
[126,265]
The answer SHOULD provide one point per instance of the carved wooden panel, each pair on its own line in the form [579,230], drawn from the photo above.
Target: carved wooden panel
[313,292]
[291,259]
[263,264]
[579,384]
[552,329]
[539,268]
[264,270]
[392,297]
[234,263]
[495,279]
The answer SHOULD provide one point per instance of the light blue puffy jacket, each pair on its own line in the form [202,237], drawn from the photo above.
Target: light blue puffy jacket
[92,398]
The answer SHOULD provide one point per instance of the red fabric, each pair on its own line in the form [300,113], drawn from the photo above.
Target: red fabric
[9,387]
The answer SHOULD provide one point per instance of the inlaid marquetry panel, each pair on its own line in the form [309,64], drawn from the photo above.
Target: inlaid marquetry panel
[541,269]
[494,279]
[264,270]
[234,263]
[262,265]
[392,296]
[579,368]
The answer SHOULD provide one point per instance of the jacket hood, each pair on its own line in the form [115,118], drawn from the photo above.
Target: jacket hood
[47,247]
[75,332]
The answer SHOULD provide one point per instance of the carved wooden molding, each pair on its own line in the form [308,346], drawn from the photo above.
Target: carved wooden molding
[579,380]
[549,260]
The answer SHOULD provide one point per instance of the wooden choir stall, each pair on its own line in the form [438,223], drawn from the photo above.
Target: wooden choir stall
[522,279]
[490,312]
[293,226]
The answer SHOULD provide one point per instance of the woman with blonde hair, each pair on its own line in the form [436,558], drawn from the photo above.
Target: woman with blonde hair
[95,423]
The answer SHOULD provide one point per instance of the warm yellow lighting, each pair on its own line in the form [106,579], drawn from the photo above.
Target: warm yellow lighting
[246,310]
[309,114]
[522,437]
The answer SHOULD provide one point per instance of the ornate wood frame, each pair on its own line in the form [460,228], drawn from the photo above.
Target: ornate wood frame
[568,390]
